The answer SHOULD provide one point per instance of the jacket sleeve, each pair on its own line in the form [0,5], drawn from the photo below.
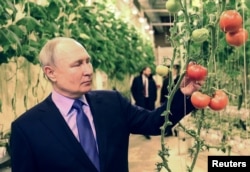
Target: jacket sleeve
[164,90]
[142,121]
[154,90]
[19,150]
[180,106]
[133,88]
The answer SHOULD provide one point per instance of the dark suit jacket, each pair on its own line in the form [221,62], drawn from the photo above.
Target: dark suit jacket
[164,90]
[41,141]
[137,91]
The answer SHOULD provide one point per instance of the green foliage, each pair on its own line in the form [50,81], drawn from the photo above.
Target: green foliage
[115,46]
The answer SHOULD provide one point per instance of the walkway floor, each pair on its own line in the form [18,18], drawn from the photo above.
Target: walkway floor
[143,154]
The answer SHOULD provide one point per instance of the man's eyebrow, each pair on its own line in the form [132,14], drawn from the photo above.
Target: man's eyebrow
[88,58]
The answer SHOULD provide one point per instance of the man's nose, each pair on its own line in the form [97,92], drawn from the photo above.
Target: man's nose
[87,69]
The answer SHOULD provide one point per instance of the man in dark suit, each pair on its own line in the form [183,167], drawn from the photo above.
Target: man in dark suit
[46,138]
[144,90]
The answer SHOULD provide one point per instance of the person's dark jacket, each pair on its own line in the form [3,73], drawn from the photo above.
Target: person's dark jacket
[165,90]
[137,91]
[41,140]
[152,92]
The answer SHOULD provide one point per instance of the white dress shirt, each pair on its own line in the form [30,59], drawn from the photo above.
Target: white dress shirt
[145,83]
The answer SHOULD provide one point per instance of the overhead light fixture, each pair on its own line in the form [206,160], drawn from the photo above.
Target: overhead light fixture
[134,10]
[142,19]
[147,26]
[126,1]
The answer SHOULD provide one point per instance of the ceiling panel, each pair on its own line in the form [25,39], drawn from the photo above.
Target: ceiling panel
[156,13]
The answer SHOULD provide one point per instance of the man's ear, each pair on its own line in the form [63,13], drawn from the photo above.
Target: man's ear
[50,73]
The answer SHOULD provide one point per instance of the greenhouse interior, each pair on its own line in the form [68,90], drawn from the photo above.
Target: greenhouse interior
[164,85]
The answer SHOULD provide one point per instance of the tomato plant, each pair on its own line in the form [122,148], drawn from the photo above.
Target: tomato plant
[219,100]
[200,100]
[162,70]
[247,3]
[173,6]
[196,72]
[191,43]
[237,38]
[230,21]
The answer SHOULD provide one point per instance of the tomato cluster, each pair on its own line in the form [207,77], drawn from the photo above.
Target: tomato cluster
[196,72]
[200,100]
[231,23]
[218,101]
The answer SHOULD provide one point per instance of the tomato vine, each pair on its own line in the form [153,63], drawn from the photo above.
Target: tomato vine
[212,52]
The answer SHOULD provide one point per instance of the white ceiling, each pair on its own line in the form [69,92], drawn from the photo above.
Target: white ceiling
[156,13]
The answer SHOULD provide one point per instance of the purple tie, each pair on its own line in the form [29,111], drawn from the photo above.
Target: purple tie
[86,136]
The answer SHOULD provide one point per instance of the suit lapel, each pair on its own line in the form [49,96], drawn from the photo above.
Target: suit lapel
[54,121]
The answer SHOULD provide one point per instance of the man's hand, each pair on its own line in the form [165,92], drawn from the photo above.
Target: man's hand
[189,86]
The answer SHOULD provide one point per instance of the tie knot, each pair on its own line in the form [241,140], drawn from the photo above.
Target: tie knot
[77,104]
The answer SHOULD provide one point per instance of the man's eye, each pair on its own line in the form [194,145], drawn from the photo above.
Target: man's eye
[88,61]
[77,63]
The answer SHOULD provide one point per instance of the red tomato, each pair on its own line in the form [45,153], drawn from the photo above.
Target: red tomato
[200,100]
[230,21]
[237,38]
[196,72]
[219,100]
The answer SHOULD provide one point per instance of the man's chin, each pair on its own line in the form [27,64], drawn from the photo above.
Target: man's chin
[86,89]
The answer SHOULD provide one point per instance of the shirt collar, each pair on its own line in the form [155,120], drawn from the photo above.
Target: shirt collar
[64,104]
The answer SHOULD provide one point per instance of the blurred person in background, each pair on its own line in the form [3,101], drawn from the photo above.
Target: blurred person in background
[144,90]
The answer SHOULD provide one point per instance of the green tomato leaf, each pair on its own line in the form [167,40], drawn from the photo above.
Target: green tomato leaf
[17,30]
[30,23]
[54,9]
[10,39]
